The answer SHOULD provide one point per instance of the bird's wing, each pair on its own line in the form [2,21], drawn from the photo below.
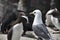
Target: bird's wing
[44,28]
[41,30]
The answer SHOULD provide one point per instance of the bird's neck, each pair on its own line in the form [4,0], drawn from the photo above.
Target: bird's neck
[37,20]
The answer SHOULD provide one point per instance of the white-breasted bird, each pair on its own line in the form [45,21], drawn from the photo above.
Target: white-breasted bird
[48,21]
[16,31]
[38,27]
[55,18]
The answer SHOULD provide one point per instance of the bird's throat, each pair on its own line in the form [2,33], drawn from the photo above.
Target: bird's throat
[37,20]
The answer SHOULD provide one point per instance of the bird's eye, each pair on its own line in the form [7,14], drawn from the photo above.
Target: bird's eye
[34,12]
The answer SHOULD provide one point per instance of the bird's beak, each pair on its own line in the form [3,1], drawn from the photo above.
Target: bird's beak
[31,13]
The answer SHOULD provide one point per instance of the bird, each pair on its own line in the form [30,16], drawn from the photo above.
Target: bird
[27,25]
[48,19]
[38,27]
[19,29]
[15,32]
[55,18]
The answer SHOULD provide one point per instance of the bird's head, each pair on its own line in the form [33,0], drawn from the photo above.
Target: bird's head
[54,12]
[36,12]
[26,18]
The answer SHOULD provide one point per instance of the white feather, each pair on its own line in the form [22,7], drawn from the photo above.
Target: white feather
[38,17]
[17,31]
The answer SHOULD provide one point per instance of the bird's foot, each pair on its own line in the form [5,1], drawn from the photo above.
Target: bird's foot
[23,33]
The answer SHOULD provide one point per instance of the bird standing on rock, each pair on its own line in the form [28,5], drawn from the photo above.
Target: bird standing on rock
[38,27]
[20,27]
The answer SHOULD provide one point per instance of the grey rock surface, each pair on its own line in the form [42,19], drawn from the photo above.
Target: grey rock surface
[30,35]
